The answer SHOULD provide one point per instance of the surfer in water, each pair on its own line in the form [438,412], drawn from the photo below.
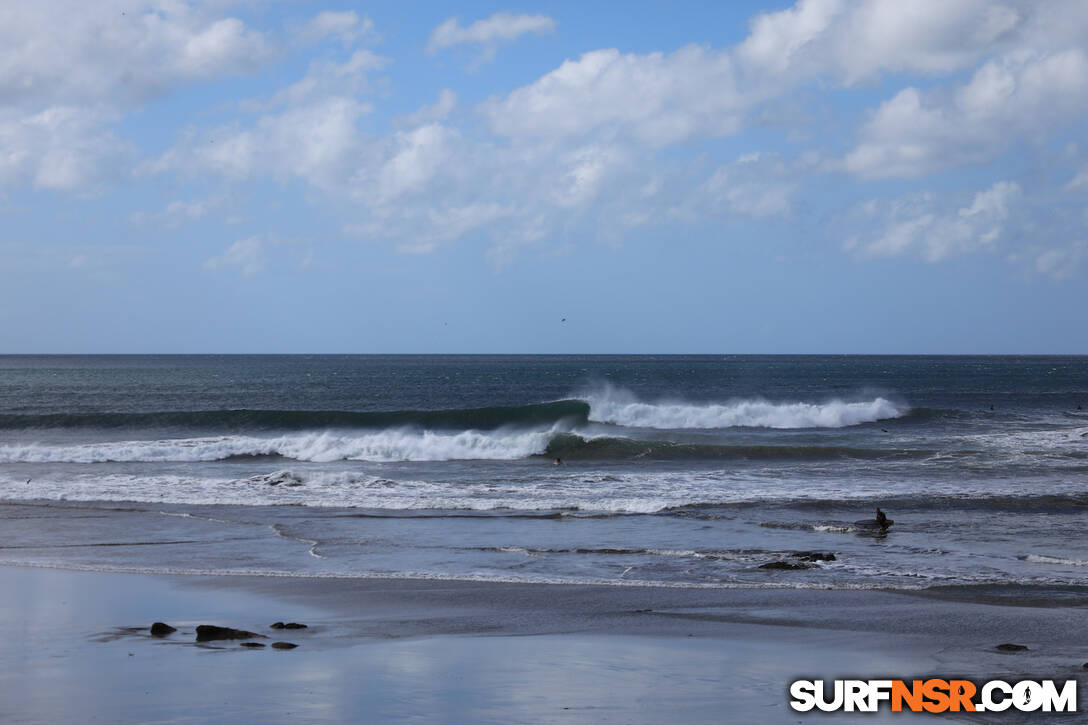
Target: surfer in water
[882,519]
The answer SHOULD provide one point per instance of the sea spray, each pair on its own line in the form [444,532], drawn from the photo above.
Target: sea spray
[620,407]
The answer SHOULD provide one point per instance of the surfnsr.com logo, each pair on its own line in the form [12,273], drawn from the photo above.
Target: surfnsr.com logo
[933,695]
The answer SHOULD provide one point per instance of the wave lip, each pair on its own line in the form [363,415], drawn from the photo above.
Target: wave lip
[621,408]
[398,444]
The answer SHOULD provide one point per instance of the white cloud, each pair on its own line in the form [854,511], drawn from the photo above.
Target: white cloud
[502,27]
[346,27]
[584,171]
[580,151]
[423,228]
[118,52]
[326,78]
[857,41]
[683,94]
[61,148]
[417,157]
[776,39]
[697,92]
[1063,262]
[309,130]
[922,224]
[443,106]
[914,133]
[755,185]
[70,70]
[245,254]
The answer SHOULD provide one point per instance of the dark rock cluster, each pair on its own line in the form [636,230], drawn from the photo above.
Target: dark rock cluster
[160,629]
[1009,647]
[212,633]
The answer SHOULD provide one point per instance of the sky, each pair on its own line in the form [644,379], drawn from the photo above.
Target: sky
[209,176]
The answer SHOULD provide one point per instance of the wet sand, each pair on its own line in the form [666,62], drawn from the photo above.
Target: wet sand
[76,649]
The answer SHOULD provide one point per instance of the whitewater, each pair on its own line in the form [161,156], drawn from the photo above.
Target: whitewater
[621,407]
[668,471]
[509,442]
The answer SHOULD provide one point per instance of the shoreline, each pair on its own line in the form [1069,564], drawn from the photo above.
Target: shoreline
[461,651]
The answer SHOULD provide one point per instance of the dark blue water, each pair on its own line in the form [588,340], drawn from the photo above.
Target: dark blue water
[676,470]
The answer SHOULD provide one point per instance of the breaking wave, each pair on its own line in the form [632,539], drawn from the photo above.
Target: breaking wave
[565,428]
[620,407]
[379,446]
[610,405]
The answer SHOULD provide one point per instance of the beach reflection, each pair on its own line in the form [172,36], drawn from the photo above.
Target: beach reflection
[77,650]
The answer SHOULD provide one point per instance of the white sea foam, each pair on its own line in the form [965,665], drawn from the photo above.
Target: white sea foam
[312,485]
[818,528]
[487,577]
[828,529]
[1057,560]
[379,486]
[1044,440]
[620,407]
[397,444]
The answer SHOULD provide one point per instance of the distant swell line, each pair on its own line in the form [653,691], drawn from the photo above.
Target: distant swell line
[615,407]
[288,420]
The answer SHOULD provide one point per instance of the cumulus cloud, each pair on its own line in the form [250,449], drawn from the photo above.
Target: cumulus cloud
[61,148]
[697,92]
[921,224]
[69,71]
[854,42]
[118,51]
[247,255]
[573,153]
[489,33]
[307,130]
[689,92]
[417,157]
[915,133]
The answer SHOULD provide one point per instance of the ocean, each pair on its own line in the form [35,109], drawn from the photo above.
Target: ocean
[676,471]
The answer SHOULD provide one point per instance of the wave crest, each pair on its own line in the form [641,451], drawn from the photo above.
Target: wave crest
[379,446]
[620,407]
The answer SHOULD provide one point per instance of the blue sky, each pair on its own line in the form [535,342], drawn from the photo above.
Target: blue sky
[822,177]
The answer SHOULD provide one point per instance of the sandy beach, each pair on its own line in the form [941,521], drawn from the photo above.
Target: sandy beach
[78,649]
